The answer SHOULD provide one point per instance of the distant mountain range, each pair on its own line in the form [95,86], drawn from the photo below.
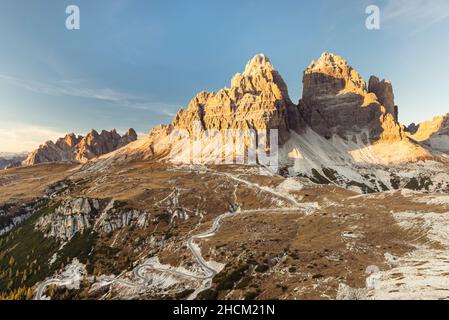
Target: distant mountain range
[245,195]
[78,148]
[9,160]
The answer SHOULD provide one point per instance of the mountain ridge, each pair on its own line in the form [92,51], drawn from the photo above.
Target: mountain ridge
[79,148]
[336,102]
[341,124]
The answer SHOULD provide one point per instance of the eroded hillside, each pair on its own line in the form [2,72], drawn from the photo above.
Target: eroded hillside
[149,230]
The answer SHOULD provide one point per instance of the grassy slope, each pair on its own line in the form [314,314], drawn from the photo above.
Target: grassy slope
[25,251]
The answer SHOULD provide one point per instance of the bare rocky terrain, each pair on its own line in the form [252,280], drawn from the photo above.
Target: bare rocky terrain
[356,207]
[289,237]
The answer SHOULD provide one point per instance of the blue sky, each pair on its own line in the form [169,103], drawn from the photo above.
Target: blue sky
[135,63]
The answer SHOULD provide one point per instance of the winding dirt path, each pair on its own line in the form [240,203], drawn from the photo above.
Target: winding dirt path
[209,272]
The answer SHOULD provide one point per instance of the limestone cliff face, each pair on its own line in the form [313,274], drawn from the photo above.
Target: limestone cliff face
[336,101]
[95,144]
[78,148]
[337,104]
[257,99]
[78,215]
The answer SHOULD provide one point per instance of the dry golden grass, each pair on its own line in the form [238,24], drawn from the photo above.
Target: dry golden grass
[26,183]
[308,252]
[316,252]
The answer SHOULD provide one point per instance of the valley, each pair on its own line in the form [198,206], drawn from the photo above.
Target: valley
[288,237]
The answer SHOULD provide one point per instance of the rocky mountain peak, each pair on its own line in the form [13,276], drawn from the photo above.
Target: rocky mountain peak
[80,149]
[331,74]
[426,129]
[93,133]
[336,102]
[259,76]
[258,63]
[383,89]
[128,137]
[130,133]
[257,99]
[11,160]
[69,141]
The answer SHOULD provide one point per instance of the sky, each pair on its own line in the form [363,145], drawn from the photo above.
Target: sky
[134,63]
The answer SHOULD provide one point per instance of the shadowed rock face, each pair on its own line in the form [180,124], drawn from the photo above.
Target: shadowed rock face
[257,99]
[78,148]
[384,93]
[412,128]
[336,102]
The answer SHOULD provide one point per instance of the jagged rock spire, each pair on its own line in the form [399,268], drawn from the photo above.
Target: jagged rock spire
[336,102]
[257,99]
[79,148]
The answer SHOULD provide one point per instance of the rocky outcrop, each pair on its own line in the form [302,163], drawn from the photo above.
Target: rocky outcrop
[95,144]
[383,90]
[437,126]
[114,217]
[13,214]
[434,133]
[69,218]
[412,128]
[257,100]
[80,149]
[336,101]
[337,104]
[81,215]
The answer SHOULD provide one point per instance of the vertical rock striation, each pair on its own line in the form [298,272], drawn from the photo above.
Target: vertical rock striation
[336,101]
[257,100]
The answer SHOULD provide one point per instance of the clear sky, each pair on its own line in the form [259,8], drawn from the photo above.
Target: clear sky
[135,63]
